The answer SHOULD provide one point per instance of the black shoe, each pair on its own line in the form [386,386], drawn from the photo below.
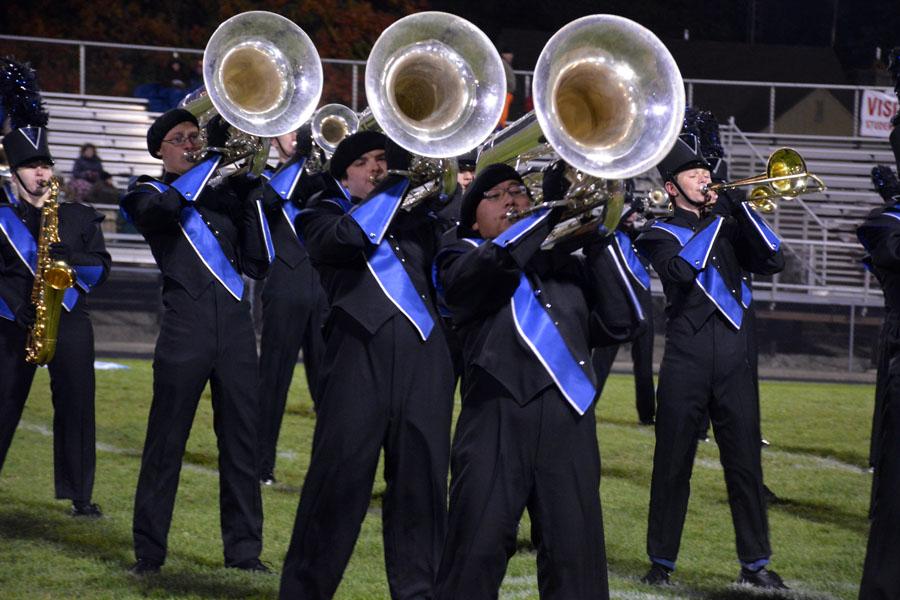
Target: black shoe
[252,564]
[657,575]
[762,579]
[647,422]
[86,510]
[268,478]
[144,566]
[769,496]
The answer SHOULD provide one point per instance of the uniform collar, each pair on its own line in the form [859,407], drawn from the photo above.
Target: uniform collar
[687,216]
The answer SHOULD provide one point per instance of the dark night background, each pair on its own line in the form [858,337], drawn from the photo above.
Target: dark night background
[825,41]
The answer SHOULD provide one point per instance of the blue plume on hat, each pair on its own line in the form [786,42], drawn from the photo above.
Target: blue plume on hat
[894,68]
[20,98]
[704,125]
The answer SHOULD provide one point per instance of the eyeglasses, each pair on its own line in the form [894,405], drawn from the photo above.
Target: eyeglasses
[179,139]
[513,191]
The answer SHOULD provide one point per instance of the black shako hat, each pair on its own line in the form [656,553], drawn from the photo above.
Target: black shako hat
[163,125]
[488,178]
[466,162]
[684,155]
[351,148]
[25,144]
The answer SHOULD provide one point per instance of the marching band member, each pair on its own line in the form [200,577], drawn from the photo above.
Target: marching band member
[387,383]
[880,236]
[203,239]
[292,298]
[642,345]
[526,436]
[72,383]
[699,253]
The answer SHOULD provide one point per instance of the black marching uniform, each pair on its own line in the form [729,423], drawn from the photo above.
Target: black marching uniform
[880,235]
[641,346]
[71,370]
[521,440]
[705,368]
[387,382]
[293,308]
[206,335]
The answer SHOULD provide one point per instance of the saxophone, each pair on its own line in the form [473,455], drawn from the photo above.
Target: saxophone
[51,280]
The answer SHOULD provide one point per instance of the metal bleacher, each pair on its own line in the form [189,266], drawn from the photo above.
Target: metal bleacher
[118,128]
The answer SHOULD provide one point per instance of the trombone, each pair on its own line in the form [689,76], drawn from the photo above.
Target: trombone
[786,177]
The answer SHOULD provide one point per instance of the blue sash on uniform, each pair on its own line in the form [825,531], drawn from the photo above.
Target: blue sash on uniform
[10,193]
[634,265]
[696,249]
[190,185]
[25,247]
[374,217]
[538,331]
[284,182]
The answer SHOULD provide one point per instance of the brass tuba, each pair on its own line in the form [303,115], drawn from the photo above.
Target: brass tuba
[609,101]
[263,76]
[435,85]
[51,280]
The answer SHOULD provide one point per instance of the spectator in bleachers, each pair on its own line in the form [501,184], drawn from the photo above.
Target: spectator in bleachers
[85,173]
[176,75]
[104,191]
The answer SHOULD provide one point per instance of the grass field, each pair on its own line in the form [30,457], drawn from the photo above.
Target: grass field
[817,465]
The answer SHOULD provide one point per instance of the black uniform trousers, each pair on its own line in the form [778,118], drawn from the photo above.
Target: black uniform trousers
[702,371]
[293,308]
[603,357]
[881,577]
[72,391]
[209,338]
[388,389]
[542,456]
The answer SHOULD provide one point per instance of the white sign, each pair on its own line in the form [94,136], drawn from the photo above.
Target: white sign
[876,112]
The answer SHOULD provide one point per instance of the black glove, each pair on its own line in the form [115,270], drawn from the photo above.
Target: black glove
[304,140]
[25,315]
[398,159]
[217,131]
[555,185]
[61,251]
[725,205]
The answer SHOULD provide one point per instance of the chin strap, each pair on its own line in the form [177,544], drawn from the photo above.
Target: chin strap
[703,207]
[33,194]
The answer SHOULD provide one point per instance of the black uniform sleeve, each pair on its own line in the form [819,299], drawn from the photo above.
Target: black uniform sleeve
[661,249]
[253,253]
[92,251]
[475,280]
[151,210]
[11,297]
[330,235]
[880,235]
[615,308]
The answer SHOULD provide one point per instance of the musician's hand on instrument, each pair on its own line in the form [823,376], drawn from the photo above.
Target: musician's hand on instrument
[26,315]
[61,251]
[554,184]
[725,205]
[397,158]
